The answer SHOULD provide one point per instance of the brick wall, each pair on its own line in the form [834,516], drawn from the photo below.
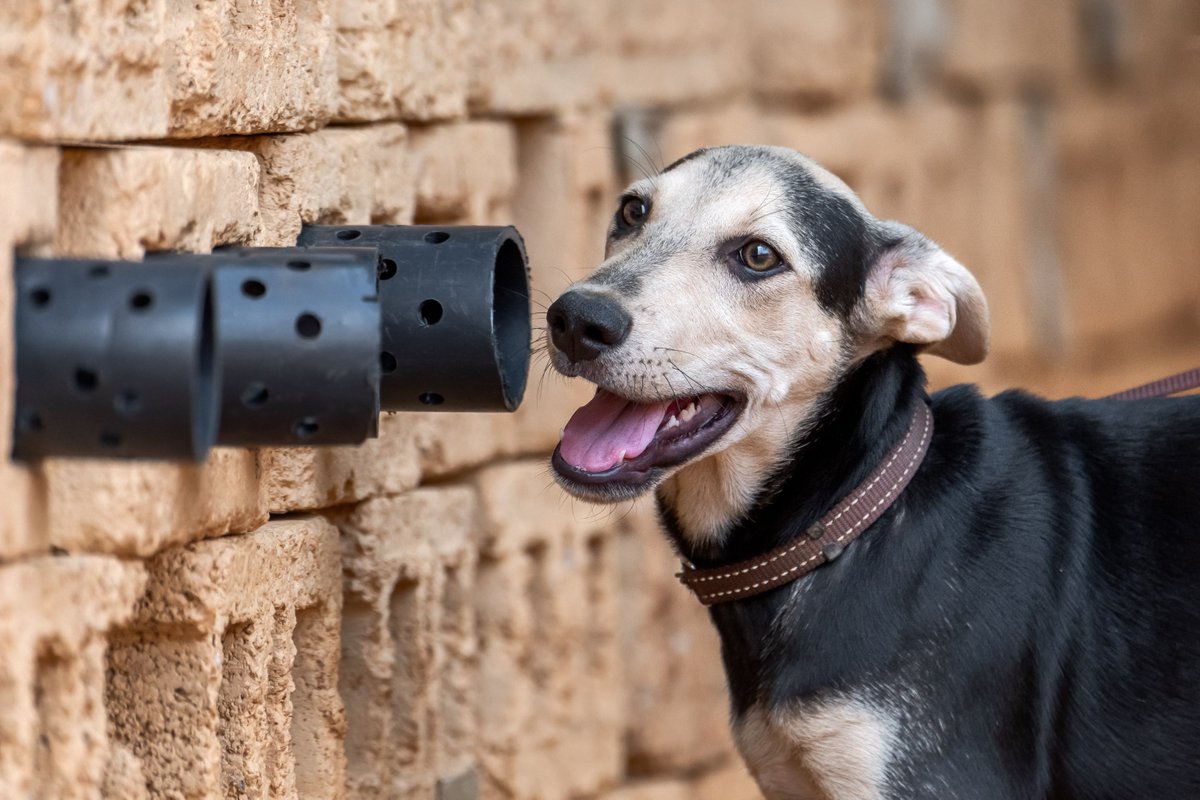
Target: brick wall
[426,615]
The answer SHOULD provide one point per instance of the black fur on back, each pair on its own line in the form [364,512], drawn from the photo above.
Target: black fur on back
[1029,608]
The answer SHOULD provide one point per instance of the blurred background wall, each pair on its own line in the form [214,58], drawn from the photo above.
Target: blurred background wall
[427,615]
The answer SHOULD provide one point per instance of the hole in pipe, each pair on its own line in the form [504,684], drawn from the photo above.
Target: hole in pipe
[308,325]
[436,237]
[432,399]
[387,269]
[301,266]
[306,427]
[387,362]
[255,395]
[98,271]
[127,403]
[141,300]
[253,289]
[40,297]
[85,379]
[110,439]
[348,234]
[431,312]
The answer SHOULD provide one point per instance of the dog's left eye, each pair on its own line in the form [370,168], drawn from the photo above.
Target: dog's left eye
[759,256]
[633,212]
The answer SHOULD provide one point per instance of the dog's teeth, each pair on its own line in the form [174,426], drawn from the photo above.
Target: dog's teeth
[621,456]
[673,422]
[688,412]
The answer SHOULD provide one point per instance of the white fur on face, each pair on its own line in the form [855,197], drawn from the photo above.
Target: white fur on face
[698,327]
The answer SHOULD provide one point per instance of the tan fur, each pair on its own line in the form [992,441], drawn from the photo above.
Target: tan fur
[834,751]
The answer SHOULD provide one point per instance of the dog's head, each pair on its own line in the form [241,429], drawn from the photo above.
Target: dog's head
[738,287]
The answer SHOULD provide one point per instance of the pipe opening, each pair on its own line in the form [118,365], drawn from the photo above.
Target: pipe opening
[510,321]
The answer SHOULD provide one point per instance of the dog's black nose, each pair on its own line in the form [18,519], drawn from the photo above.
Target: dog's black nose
[584,324]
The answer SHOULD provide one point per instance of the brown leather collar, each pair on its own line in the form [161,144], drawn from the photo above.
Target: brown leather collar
[828,536]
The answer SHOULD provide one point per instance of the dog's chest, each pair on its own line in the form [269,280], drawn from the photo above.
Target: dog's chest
[834,751]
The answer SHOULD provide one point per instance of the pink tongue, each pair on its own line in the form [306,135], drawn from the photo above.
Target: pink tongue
[598,432]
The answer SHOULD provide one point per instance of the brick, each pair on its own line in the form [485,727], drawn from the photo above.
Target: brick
[466,172]
[677,704]
[729,782]
[670,52]
[55,617]
[28,210]
[546,606]
[1128,191]
[831,53]
[535,56]
[304,478]
[131,70]
[405,59]
[1006,47]
[409,650]
[250,66]
[225,681]
[84,70]
[661,789]
[137,508]
[123,202]
[333,176]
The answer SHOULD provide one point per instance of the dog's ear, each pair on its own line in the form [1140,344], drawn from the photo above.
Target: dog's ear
[915,292]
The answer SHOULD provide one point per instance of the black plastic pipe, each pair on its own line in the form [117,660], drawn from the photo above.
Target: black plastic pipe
[455,305]
[113,359]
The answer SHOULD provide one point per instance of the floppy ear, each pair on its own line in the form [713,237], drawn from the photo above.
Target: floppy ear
[915,292]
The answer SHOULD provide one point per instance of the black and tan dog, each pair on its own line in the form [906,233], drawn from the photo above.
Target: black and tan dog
[1023,622]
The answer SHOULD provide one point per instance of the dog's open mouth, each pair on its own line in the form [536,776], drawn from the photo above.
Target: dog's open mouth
[615,443]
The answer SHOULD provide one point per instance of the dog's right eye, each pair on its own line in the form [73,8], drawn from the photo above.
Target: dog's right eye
[633,212]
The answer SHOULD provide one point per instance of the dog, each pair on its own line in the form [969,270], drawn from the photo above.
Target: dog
[1022,622]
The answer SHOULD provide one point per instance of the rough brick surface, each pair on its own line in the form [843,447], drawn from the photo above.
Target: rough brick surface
[139,508]
[408,646]
[55,616]
[225,681]
[27,217]
[123,202]
[405,59]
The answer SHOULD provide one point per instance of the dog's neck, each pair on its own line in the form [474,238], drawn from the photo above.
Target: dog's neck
[839,441]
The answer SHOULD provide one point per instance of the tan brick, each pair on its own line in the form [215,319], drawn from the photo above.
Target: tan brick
[28,209]
[250,66]
[1004,47]
[546,605]
[122,202]
[466,172]
[535,56]
[660,789]
[132,508]
[814,50]
[85,70]
[302,478]
[670,52]
[333,176]
[1129,178]
[729,782]
[55,614]
[405,59]
[225,683]
[677,704]
[408,653]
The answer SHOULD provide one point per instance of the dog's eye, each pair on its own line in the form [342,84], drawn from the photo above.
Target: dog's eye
[633,212]
[759,256]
